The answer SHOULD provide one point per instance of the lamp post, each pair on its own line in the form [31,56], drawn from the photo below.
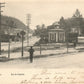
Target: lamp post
[22,34]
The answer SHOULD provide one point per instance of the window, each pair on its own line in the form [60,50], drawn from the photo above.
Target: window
[61,36]
[52,36]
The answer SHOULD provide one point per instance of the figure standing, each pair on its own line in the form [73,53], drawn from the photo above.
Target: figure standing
[31,51]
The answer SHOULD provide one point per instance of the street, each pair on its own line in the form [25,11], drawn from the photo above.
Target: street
[70,60]
[53,58]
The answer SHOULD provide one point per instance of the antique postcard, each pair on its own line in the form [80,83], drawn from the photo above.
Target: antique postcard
[41,41]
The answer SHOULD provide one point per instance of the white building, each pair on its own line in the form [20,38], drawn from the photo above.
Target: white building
[56,34]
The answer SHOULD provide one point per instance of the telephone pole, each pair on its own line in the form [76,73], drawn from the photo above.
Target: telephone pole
[1,5]
[28,27]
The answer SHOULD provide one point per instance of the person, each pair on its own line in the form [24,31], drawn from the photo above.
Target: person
[31,51]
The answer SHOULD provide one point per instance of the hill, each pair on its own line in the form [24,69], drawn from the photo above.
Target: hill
[13,23]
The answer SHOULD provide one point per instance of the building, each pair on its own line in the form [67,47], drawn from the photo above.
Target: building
[56,34]
[13,33]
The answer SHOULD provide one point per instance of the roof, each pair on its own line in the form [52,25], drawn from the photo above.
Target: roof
[56,24]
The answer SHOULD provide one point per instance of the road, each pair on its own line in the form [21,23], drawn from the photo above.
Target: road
[70,60]
[50,59]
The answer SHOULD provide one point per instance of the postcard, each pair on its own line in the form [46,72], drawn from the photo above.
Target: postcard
[41,42]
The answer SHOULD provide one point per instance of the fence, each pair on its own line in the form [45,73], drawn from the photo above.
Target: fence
[40,51]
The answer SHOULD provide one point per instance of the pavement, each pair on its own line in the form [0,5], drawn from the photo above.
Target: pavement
[16,49]
[43,53]
[67,60]
[46,58]
[55,58]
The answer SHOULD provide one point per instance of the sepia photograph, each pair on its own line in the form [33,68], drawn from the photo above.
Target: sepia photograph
[41,42]
[41,34]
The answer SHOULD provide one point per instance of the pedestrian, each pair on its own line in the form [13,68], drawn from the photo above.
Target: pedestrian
[31,51]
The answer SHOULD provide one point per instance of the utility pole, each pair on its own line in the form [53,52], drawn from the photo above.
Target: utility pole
[67,44]
[10,25]
[9,43]
[28,27]
[1,5]
[22,34]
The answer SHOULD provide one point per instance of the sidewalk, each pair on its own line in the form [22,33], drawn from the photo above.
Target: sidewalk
[66,60]
[44,53]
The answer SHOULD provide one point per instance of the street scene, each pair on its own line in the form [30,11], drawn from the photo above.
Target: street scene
[30,38]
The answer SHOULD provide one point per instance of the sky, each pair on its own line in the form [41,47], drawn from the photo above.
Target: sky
[42,11]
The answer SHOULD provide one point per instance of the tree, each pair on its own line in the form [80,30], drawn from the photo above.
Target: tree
[38,27]
[43,26]
[39,31]
[62,22]
[77,14]
[42,32]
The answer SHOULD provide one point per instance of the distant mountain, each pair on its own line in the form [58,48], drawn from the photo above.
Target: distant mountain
[13,23]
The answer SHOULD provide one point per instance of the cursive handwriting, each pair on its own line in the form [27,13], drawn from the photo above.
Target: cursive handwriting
[49,77]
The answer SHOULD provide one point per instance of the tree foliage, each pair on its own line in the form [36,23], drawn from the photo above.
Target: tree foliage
[76,21]
[13,23]
[40,31]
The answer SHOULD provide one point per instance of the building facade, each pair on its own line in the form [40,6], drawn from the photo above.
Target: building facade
[56,34]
